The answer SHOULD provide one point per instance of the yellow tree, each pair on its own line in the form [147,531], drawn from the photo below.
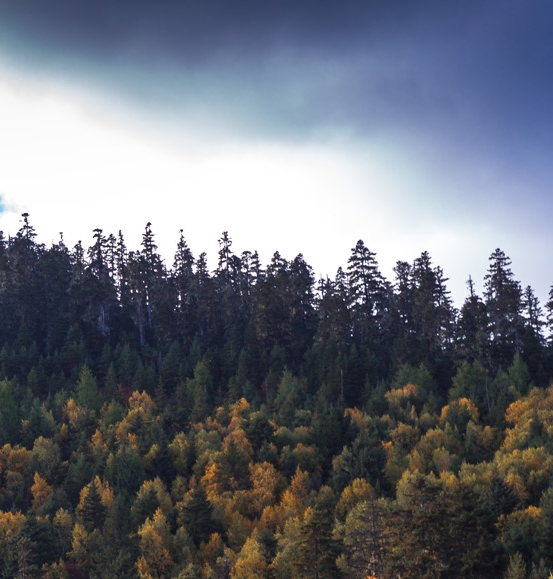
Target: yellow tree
[14,463]
[41,492]
[155,561]
[357,492]
[293,498]
[10,526]
[86,548]
[266,484]
[250,562]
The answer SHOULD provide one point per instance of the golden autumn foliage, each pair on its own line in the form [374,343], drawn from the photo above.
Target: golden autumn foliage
[358,491]
[155,559]
[179,450]
[41,492]
[250,562]
[10,525]
[104,491]
[73,412]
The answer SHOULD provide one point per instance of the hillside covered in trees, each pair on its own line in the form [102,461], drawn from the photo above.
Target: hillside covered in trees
[252,422]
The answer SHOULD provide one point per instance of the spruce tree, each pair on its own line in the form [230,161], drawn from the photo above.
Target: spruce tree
[92,511]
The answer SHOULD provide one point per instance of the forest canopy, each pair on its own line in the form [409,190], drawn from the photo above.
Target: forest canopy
[252,421]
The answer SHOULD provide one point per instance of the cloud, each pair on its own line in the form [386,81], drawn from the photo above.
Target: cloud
[467,70]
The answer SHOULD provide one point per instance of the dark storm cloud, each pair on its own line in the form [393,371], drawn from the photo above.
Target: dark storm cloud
[184,31]
[478,72]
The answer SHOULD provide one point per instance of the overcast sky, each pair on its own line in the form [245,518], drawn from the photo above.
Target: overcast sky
[297,126]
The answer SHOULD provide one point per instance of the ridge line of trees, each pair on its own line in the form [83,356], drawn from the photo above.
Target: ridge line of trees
[109,296]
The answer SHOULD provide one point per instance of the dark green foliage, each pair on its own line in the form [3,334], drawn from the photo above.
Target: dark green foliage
[119,369]
[197,516]
[10,421]
[258,428]
[87,394]
[499,497]
[200,390]
[317,549]
[144,506]
[233,468]
[417,547]
[37,543]
[125,470]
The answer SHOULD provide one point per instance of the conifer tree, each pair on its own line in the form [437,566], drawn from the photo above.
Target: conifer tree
[196,515]
[91,509]
[87,390]
[317,549]
[364,545]
[367,293]
[504,307]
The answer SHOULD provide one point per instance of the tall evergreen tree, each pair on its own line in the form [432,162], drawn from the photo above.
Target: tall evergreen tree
[91,509]
[317,549]
[183,278]
[472,328]
[367,294]
[503,297]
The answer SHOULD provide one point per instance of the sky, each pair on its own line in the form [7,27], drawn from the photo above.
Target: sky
[297,126]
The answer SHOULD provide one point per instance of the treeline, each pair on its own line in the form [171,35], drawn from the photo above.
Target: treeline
[250,421]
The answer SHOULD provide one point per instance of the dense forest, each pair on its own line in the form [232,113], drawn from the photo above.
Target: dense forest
[253,422]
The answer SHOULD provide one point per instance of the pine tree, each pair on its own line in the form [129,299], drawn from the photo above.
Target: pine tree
[91,509]
[414,530]
[196,515]
[503,297]
[367,294]
[472,328]
[364,544]
[186,296]
[317,549]
[87,394]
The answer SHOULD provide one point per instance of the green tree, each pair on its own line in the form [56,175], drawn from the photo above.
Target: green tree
[364,544]
[125,470]
[290,398]
[87,394]
[186,296]
[533,340]
[317,549]
[91,509]
[503,298]
[196,515]
[367,294]
[201,390]
[414,530]
[233,467]
[472,328]
[10,421]
[334,315]
[472,381]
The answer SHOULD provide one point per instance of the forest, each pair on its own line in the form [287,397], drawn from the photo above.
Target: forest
[250,421]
